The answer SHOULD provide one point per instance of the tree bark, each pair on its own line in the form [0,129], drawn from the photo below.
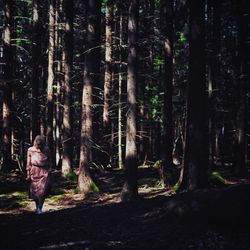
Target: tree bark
[130,187]
[107,132]
[167,85]
[36,61]
[67,113]
[51,77]
[243,80]
[91,68]
[196,146]
[8,82]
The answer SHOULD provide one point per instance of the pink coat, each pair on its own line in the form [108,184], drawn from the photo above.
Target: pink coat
[38,169]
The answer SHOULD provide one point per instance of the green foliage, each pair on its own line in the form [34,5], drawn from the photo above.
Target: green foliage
[176,186]
[71,176]
[158,61]
[18,204]
[217,176]
[181,37]
[56,197]
[94,187]
[18,194]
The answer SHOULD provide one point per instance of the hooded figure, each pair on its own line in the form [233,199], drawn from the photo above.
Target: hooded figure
[38,170]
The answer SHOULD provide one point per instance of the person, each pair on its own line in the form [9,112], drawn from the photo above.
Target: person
[38,171]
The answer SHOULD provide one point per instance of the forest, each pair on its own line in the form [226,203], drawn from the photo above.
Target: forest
[145,107]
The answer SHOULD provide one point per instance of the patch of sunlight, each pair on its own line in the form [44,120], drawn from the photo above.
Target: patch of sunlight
[56,197]
[20,194]
[17,194]
[18,204]
[5,196]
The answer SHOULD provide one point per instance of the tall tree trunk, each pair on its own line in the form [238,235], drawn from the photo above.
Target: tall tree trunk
[130,187]
[214,24]
[196,147]
[108,82]
[36,61]
[167,136]
[243,79]
[67,114]
[120,83]
[8,82]
[91,68]
[51,77]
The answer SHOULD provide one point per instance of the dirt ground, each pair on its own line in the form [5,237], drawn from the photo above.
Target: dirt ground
[217,218]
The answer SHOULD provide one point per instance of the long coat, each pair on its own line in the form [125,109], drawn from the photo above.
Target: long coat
[38,172]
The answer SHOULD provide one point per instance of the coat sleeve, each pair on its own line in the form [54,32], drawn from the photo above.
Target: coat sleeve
[28,165]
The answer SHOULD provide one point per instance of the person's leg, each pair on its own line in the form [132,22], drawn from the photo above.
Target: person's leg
[40,205]
[37,206]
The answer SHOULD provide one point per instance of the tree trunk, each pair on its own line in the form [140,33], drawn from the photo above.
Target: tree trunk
[120,157]
[196,146]
[91,68]
[51,76]
[108,83]
[167,136]
[214,74]
[130,187]
[36,61]
[67,114]
[8,82]
[243,79]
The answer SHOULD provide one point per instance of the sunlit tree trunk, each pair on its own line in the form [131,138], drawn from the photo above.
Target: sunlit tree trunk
[90,69]
[130,187]
[67,116]
[196,145]
[51,76]
[120,81]
[8,82]
[108,82]
[167,85]
[36,64]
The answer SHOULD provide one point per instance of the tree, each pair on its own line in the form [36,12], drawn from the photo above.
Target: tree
[67,114]
[130,187]
[167,133]
[243,79]
[51,75]
[37,33]
[214,74]
[91,66]
[108,81]
[8,82]
[196,147]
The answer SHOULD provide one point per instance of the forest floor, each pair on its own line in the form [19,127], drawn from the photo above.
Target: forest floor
[215,218]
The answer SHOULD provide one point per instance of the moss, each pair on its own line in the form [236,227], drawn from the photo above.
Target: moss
[94,187]
[217,176]
[71,176]
[176,186]
[22,195]
[56,197]
[5,196]
[18,204]
[17,194]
